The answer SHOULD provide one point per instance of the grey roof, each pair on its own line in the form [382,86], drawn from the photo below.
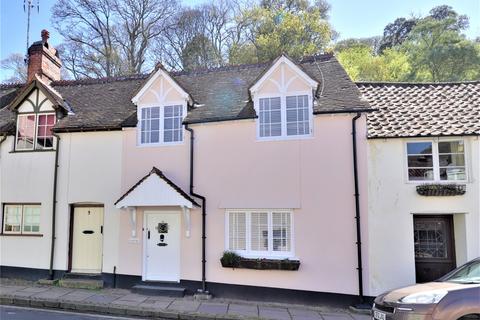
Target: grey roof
[422,109]
[219,94]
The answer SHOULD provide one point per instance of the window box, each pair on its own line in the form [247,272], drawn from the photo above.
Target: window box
[260,264]
[441,190]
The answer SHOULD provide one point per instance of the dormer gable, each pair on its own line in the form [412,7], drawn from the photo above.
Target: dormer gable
[284,75]
[160,88]
[162,106]
[38,97]
[37,108]
[283,101]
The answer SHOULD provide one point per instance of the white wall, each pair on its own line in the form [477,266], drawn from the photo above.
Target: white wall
[392,203]
[26,177]
[89,172]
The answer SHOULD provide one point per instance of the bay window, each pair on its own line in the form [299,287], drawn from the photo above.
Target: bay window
[284,116]
[161,125]
[34,131]
[21,218]
[260,233]
[436,160]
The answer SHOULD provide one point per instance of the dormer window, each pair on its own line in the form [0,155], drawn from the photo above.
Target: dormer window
[284,116]
[34,131]
[161,125]
[283,101]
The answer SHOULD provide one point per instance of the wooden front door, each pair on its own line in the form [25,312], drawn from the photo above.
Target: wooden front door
[434,246]
[162,246]
[87,240]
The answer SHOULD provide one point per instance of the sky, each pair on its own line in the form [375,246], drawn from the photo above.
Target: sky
[351,18]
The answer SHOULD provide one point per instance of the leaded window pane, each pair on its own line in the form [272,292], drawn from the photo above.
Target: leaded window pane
[420,161]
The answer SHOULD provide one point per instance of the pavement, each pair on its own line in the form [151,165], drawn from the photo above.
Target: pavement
[121,302]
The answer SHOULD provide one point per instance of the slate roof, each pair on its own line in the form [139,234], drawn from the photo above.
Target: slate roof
[422,109]
[219,94]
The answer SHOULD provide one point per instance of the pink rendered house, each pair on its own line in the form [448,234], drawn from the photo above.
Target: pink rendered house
[157,176]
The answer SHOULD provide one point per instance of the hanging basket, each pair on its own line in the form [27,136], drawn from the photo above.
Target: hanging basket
[441,190]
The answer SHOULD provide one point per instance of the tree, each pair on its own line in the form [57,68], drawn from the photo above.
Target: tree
[396,33]
[205,32]
[438,51]
[139,22]
[15,64]
[90,24]
[362,64]
[293,27]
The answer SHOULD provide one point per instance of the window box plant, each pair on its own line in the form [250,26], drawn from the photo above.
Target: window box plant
[439,190]
[233,260]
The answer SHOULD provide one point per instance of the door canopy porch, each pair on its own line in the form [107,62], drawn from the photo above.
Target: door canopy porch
[155,189]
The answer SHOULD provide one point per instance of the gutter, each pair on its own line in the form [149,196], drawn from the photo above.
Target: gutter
[204,210]
[54,207]
[361,304]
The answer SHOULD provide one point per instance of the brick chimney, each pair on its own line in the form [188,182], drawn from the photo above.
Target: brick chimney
[43,60]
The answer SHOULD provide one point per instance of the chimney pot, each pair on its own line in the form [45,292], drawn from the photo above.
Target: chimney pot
[45,35]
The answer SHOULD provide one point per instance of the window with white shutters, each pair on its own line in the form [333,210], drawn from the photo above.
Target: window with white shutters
[237,238]
[260,233]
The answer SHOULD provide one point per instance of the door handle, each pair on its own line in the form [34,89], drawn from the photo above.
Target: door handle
[148,234]
[101,229]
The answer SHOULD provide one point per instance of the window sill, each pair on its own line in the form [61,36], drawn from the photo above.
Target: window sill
[262,264]
[27,151]
[285,138]
[167,144]
[21,235]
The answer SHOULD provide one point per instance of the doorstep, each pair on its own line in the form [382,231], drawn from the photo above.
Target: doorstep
[124,302]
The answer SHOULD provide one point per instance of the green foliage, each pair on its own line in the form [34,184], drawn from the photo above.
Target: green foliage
[231,259]
[431,48]
[296,30]
[362,65]
[439,52]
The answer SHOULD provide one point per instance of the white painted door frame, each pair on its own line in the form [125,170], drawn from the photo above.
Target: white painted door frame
[146,215]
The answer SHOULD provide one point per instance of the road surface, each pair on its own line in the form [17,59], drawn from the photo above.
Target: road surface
[16,313]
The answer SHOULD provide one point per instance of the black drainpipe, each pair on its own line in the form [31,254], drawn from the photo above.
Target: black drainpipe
[54,206]
[362,304]
[204,210]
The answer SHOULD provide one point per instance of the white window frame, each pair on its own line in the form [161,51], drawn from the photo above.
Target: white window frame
[35,133]
[283,109]
[436,160]
[248,253]
[162,124]
[22,218]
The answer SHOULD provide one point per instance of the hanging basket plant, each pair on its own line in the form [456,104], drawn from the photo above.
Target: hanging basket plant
[441,190]
[233,260]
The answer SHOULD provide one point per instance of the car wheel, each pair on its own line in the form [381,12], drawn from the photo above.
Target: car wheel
[470,316]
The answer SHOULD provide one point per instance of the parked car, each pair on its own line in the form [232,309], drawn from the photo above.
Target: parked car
[454,296]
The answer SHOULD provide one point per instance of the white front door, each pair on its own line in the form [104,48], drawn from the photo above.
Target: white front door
[87,240]
[162,246]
